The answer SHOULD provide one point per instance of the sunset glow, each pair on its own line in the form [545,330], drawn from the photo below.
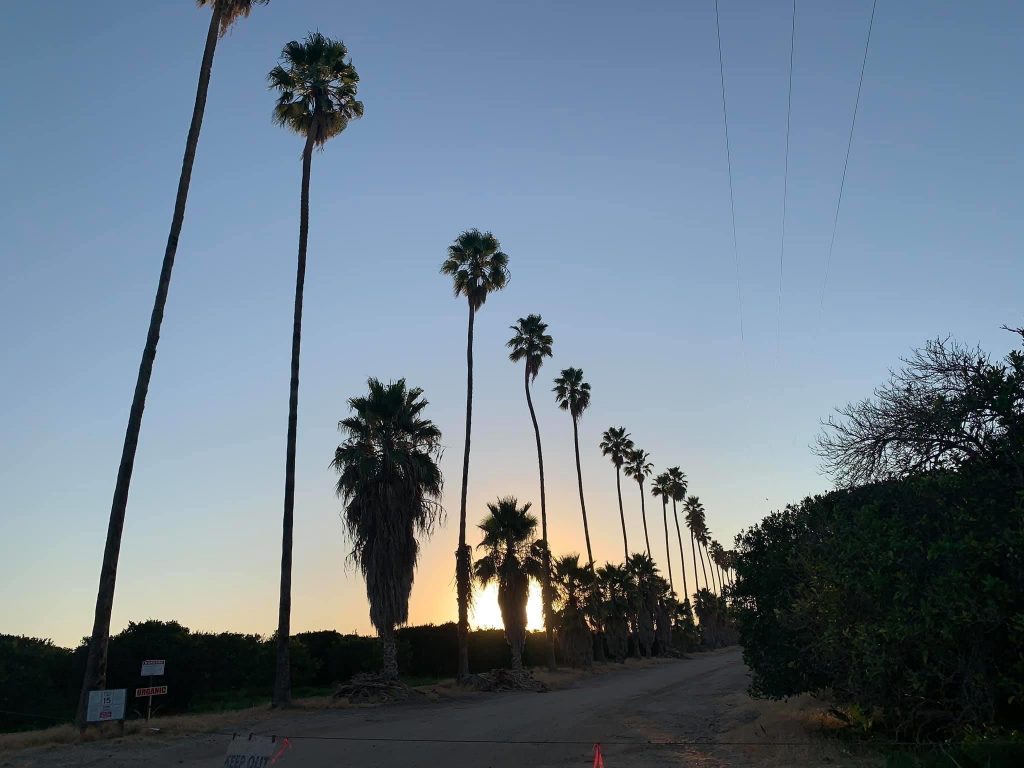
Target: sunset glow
[485,613]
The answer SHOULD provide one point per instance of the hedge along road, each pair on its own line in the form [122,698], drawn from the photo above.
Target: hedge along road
[687,700]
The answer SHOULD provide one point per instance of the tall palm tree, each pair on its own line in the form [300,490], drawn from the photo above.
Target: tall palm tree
[509,531]
[532,343]
[478,267]
[639,468]
[224,13]
[705,540]
[616,444]
[572,394]
[692,509]
[391,485]
[678,486]
[717,555]
[316,98]
[662,487]
[696,520]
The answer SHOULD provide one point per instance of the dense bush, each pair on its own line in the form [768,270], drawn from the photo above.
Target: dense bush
[37,686]
[39,682]
[905,598]
[905,595]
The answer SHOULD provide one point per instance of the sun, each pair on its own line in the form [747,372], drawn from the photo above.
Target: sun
[485,613]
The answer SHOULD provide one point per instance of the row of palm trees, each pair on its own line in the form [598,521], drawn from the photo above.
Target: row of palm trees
[478,267]
[387,464]
[627,608]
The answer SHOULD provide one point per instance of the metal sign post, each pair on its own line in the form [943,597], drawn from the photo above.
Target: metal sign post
[150,692]
[151,668]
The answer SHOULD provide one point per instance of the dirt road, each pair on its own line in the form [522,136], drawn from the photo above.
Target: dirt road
[700,699]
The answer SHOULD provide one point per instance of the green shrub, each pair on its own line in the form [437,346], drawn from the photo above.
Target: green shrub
[905,598]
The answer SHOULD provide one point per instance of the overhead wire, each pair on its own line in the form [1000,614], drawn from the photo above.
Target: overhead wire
[785,179]
[846,163]
[728,156]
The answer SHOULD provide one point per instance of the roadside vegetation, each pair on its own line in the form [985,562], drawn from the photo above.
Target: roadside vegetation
[902,593]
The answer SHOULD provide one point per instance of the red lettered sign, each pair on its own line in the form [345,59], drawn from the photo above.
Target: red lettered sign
[156,690]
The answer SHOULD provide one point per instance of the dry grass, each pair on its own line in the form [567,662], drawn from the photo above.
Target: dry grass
[798,731]
[171,725]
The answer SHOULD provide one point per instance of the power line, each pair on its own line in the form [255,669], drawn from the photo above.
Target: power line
[622,742]
[849,144]
[785,181]
[728,156]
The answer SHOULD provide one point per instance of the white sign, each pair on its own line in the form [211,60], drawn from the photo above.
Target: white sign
[153,667]
[249,752]
[156,690]
[106,705]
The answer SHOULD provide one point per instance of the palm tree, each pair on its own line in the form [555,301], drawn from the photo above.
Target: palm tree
[616,444]
[695,519]
[224,13]
[391,486]
[613,583]
[316,86]
[662,486]
[572,394]
[508,537]
[678,492]
[692,508]
[643,573]
[532,344]
[705,541]
[575,588]
[478,268]
[639,468]
[717,555]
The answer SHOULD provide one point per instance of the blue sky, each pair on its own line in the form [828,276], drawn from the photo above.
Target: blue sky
[588,137]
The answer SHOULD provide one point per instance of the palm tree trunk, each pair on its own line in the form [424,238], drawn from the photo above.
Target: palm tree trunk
[545,587]
[693,551]
[283,676]
[714,578]
[583,504]
[668,547]
[705,570]
[643,514]
[464,555]
[682,556]
[622,514]
[390,653]
[586,534]
[96,662]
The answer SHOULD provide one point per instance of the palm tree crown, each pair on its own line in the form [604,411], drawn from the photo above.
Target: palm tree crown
[317,88]
[231,11]
[677,483]
[616,444]
[638,465]
[477,266]
[572,393]
[661,486]
[695,516]
[531,343]
[508,532]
